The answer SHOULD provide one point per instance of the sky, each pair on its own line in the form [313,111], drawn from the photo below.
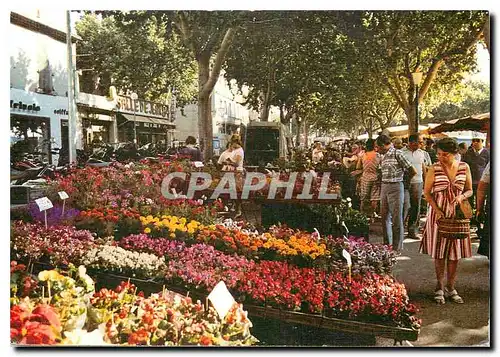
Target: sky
[483,62]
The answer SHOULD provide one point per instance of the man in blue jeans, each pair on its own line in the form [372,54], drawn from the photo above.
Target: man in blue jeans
[414,188]
[393,165]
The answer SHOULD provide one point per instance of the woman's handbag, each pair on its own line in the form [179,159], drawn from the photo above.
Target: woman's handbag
[451,228]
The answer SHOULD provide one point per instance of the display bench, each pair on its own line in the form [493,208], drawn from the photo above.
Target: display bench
[356,328]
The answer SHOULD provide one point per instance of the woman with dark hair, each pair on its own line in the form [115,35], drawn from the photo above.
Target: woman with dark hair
[447,184]
[370,184]
[190,150]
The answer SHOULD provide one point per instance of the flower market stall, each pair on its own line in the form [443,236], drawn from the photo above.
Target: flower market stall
[117,226]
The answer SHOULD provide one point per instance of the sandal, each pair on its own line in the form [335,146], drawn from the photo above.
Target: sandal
[453,296]
[439,297]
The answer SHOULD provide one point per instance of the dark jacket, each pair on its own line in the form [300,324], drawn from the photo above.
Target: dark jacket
[477,163]
[192,152]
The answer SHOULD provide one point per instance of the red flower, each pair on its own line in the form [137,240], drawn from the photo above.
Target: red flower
[140,337]
[206,341]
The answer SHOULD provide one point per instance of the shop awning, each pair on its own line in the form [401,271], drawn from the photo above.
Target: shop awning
[153,122]
[479,122]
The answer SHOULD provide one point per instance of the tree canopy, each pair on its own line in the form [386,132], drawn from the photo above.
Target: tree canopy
[348,70]
[140,56]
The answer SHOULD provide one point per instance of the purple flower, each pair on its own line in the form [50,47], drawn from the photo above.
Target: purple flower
[55,215]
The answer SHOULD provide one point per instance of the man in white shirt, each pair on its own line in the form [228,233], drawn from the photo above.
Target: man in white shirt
[413,189]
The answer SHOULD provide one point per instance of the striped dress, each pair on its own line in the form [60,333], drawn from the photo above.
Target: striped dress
[443,192]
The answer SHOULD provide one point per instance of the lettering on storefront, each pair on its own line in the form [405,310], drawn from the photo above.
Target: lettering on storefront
[143,106]
[24,106]
[61,111]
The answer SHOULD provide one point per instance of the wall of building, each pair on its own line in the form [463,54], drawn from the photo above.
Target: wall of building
[29,52]
[55,18]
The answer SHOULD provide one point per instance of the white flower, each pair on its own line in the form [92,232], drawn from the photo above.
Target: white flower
[348,199]
[84,338]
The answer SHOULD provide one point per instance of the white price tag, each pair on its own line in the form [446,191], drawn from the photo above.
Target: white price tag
[347,256]
[44,203]
[63,195]
[221,299]
[198,164]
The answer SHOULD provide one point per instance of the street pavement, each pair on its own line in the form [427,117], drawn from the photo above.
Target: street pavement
[448,325]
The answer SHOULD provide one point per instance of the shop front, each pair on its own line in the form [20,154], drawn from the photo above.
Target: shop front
[145,122]
[38,126]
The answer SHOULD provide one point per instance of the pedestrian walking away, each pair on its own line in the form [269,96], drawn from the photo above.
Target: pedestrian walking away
[370,183]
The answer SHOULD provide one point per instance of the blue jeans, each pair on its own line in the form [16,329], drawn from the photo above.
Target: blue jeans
[411,208]
[391,209]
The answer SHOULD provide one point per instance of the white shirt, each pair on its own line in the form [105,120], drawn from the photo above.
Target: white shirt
[417,159]
[238,152]
[222,160]
[317,155]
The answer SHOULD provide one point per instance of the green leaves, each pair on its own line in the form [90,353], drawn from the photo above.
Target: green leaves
[135,51]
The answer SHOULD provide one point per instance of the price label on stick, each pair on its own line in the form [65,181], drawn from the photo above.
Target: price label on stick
[44,204]
[63,195]
[221,299]
[347,257]
[198,164]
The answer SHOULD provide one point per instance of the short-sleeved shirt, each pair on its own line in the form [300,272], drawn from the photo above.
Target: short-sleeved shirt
[416,158]
[486,174]
[393,166]
[238,152]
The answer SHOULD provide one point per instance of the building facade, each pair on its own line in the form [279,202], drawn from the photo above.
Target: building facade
[39,96]
[39,82]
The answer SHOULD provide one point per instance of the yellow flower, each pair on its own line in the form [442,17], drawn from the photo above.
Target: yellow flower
[172,235]
[49,275]
[147,230]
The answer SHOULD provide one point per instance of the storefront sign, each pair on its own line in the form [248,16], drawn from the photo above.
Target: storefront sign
[142,106]
[61,111]
[23,106]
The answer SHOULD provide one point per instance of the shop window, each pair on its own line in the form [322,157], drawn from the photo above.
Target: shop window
[45,83]
[30,136]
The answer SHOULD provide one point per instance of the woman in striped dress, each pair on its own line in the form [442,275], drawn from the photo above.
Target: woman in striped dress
[448,182]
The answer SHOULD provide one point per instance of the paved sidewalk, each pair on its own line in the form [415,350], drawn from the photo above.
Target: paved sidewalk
[450,324]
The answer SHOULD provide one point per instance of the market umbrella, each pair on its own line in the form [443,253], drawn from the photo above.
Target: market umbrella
[480,123]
